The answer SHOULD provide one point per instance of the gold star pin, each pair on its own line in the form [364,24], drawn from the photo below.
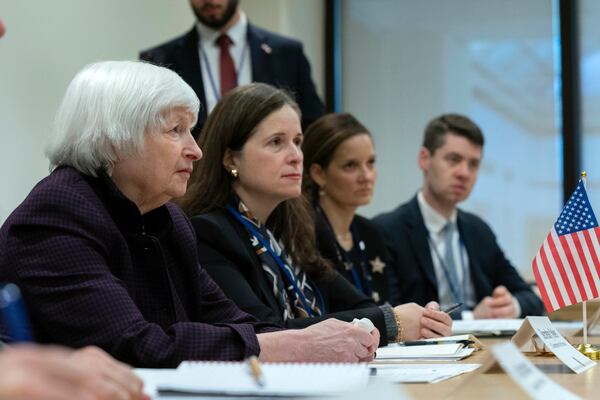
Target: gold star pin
[377,265]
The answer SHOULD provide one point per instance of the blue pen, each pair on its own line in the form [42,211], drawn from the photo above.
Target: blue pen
[13,314]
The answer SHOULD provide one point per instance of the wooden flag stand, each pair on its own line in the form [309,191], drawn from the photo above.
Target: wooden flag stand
[590,351]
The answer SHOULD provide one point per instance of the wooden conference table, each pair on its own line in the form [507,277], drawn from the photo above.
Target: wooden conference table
[498,385]
[489,386]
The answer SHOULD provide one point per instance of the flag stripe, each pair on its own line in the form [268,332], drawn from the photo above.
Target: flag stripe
[552,272]
[592,261]
[558,256]
[593,248]
[576,265]
[593,233]
[548,297]
[586,262]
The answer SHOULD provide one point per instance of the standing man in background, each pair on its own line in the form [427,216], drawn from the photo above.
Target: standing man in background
[224,50]
[441,253]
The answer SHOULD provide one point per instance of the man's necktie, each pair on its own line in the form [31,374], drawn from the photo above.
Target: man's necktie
[449,264]
[226,66]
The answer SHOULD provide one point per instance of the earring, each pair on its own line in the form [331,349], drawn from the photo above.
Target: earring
[234,173]
[322,190]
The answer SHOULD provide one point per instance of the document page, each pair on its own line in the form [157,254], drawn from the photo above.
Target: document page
[235,379]
[422,373]
[447,352]
[486,327]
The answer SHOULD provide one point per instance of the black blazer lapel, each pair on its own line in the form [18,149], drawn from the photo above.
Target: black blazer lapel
[257,270]
[260,54]
[418,237]
[191,70]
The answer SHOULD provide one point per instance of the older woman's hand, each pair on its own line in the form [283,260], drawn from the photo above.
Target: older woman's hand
[331,340]
[36,373]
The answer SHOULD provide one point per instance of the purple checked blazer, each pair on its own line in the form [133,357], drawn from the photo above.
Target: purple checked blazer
[70,249]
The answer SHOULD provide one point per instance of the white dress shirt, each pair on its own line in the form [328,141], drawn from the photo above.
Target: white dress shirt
[435,222]
[209,50]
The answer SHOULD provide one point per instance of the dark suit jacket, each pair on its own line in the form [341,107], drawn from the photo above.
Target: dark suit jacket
[406,240]
[70,247]
[226,253]
[285,67]
[374,249]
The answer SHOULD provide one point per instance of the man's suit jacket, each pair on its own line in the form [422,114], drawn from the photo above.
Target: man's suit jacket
[406,239]
[225,251]
[276,60]
[71,246]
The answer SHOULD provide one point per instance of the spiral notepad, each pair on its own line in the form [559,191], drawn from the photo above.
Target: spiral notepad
[235,379]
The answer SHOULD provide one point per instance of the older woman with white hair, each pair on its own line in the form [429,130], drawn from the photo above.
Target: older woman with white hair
[103,258]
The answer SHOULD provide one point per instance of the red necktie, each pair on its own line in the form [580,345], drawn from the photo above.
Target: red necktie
[228,75]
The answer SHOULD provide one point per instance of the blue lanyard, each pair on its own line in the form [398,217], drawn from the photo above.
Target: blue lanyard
[209,70]
[355,276]
[343,257]
[291,278]
[455,287]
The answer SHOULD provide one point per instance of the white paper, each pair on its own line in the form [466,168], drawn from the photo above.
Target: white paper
[233,378]
[399,351]
[567,326]
[152,377]
[559,346]
[475,343]
[483,327]
[377,389]
[454,338]
[527,376]
[364,323]
[440,352]
[422,373]
[497,327]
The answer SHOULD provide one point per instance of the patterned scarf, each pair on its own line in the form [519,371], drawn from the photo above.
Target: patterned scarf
[288,299]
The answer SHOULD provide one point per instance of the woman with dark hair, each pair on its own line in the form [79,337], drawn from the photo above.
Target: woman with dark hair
[255,232]
[104,258]
[339,177]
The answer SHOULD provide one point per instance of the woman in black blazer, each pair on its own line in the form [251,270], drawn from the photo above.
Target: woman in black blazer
[255,231]
[339,177]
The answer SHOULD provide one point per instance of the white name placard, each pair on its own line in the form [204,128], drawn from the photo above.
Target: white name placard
[554,341]
[533,381]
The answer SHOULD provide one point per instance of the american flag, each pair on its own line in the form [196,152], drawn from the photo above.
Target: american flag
[567,266]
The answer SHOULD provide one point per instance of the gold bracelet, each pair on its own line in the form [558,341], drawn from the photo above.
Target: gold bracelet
[400,335]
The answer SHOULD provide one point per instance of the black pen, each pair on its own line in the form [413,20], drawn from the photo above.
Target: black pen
[466,342]
[451,308]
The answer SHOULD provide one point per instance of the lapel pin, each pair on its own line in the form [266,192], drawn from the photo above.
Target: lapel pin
[266,48]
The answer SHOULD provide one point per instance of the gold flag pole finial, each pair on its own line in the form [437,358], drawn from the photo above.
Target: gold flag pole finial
[583,174]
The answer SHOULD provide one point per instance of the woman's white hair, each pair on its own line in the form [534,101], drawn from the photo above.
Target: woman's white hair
[107,109]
